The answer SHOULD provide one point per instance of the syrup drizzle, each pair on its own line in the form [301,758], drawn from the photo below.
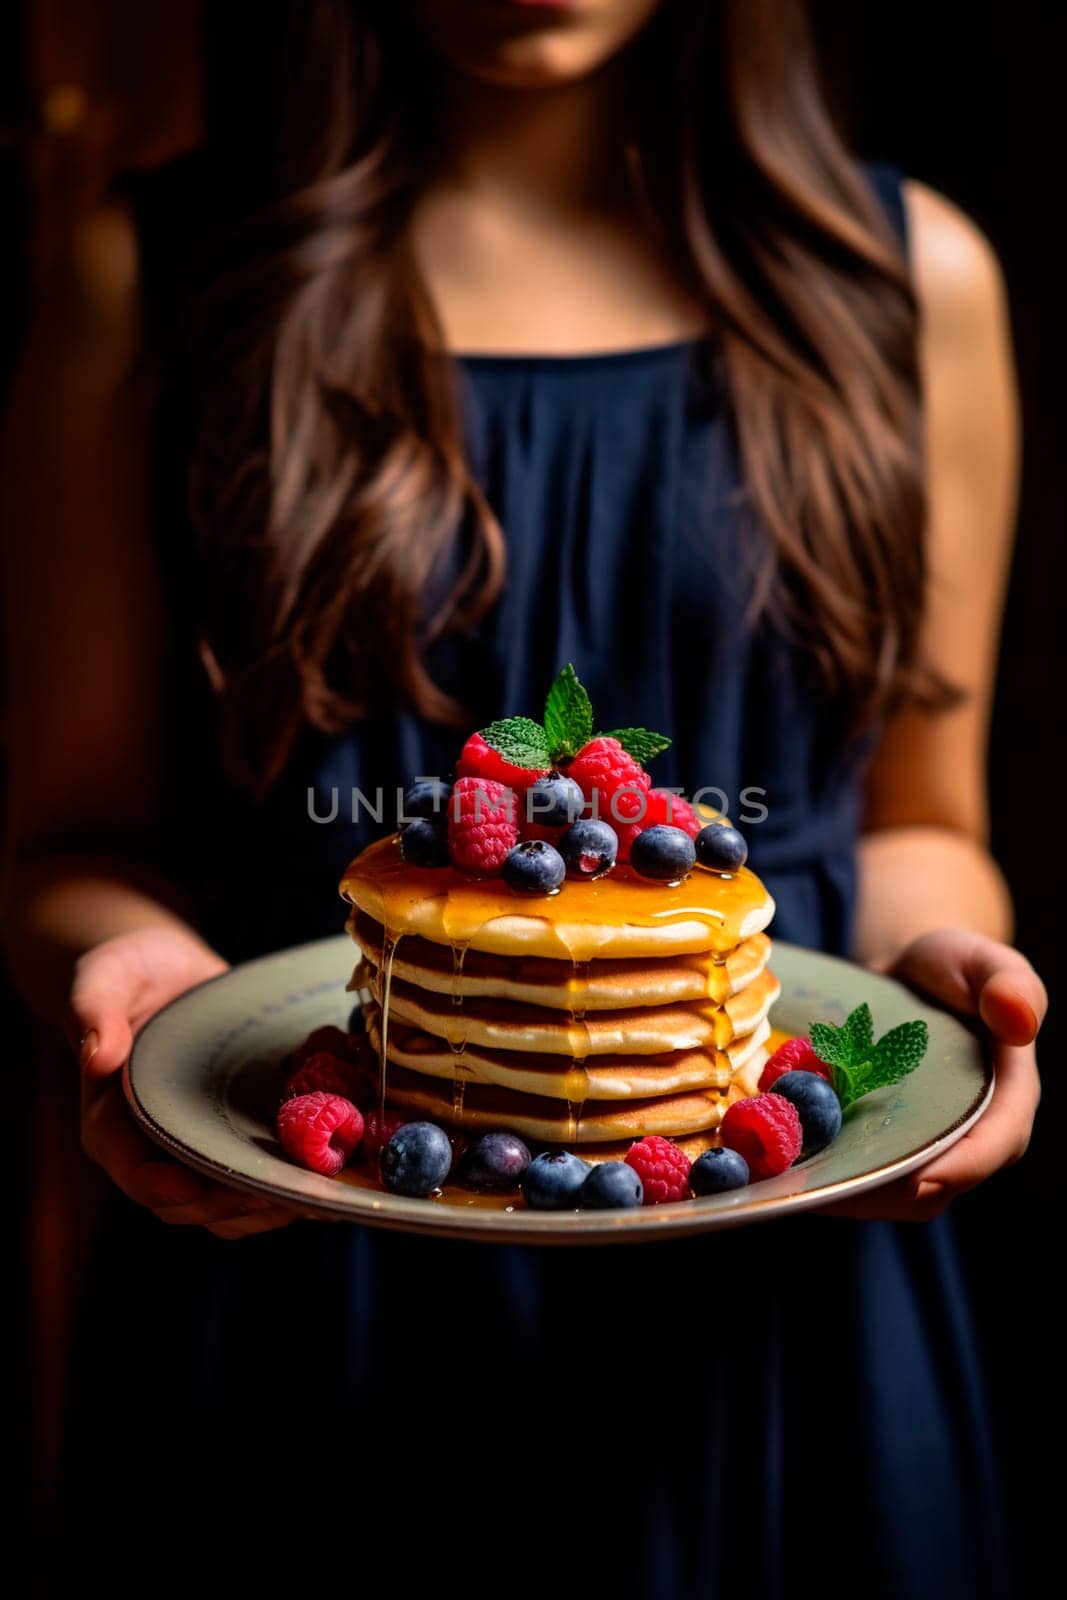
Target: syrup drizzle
[579,921]
[456,1031]
[389,943]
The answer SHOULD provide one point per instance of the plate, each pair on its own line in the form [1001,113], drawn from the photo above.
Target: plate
[203,1081]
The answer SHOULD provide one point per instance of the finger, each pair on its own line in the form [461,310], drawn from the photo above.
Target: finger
[1002,1133]
[218,1204]
[998,1139]
[978,977]
[261,1222]
[909,1199]
[1013,1005]
[132,1162]
[98,1020]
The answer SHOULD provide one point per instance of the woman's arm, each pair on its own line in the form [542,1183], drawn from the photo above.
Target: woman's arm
[93,939]
[934,908]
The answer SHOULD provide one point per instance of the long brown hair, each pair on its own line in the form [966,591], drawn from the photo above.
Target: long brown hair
[329,478]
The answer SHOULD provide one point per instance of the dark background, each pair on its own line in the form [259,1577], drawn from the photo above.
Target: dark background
[968,98]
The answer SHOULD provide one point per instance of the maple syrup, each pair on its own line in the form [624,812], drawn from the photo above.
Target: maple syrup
[580,920]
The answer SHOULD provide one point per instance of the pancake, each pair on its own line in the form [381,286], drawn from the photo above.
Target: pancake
[560,1077]
[642,1030]
[600,985]
[549,1122]
[620,914]
[746,1083]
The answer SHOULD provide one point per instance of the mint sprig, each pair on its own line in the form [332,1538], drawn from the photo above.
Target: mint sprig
[568,725]
[568,715]
[860,1065]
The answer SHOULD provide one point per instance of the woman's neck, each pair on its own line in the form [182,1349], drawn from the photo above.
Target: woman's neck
[528,233]
[553,151]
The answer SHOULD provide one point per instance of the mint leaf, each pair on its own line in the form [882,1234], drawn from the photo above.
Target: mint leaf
[568,715]
[519,740]
[832,1045]
[859,1029]
[860,1066]
[899,1052]
[640,743]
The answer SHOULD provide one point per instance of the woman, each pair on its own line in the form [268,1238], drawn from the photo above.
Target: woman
[557,332]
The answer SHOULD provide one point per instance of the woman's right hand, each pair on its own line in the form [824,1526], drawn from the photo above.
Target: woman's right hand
[118,986]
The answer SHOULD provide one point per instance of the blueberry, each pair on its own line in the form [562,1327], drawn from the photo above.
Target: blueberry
[533,866]
[718,1170]
[496,1161]
[553,1180]
[357,1022]
[417,1159]
[662,852]
[589,848]
[428,798]
[423,844]
[554,802]
[721,847]
[611,1186]
[817,1106]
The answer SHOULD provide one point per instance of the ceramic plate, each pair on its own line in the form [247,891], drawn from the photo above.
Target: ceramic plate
[203,1082]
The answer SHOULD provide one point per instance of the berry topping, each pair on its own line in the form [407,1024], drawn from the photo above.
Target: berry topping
[662,852]
[766,1131]
[589,848]
[554,802]
[662,1167]
[373,1141]
[721,847]
[817,1105]
[553,1181]
[602,768]
[611,1186]
[417,1159]
[481,824]
[665,806]
[534,867]
[796,1055]
[332,1076]
[718,1170]
[427,798]
[479,760]
[636,812]
[320,1131]
[329,1041]
[495,1161]
[423,843]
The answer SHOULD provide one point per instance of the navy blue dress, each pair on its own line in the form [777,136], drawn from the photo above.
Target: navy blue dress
[795,1402]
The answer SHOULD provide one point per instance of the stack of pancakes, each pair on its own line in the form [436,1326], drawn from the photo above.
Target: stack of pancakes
[614,1009]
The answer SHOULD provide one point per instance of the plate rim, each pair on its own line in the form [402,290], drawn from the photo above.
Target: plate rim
[401,1213]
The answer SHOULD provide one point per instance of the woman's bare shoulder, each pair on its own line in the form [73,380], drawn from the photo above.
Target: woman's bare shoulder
[958,276]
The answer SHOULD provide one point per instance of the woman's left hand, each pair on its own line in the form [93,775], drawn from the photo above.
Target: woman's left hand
[979,978]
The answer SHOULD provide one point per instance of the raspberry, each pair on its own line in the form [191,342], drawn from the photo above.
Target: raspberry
[678,812]
[479,760]
[373,1140]
[601,768]
[320,1131]
[482,818]
[329,1041]
[662,1167]
[796,1055]
[332,1076]
[765,1130]
[657,806]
